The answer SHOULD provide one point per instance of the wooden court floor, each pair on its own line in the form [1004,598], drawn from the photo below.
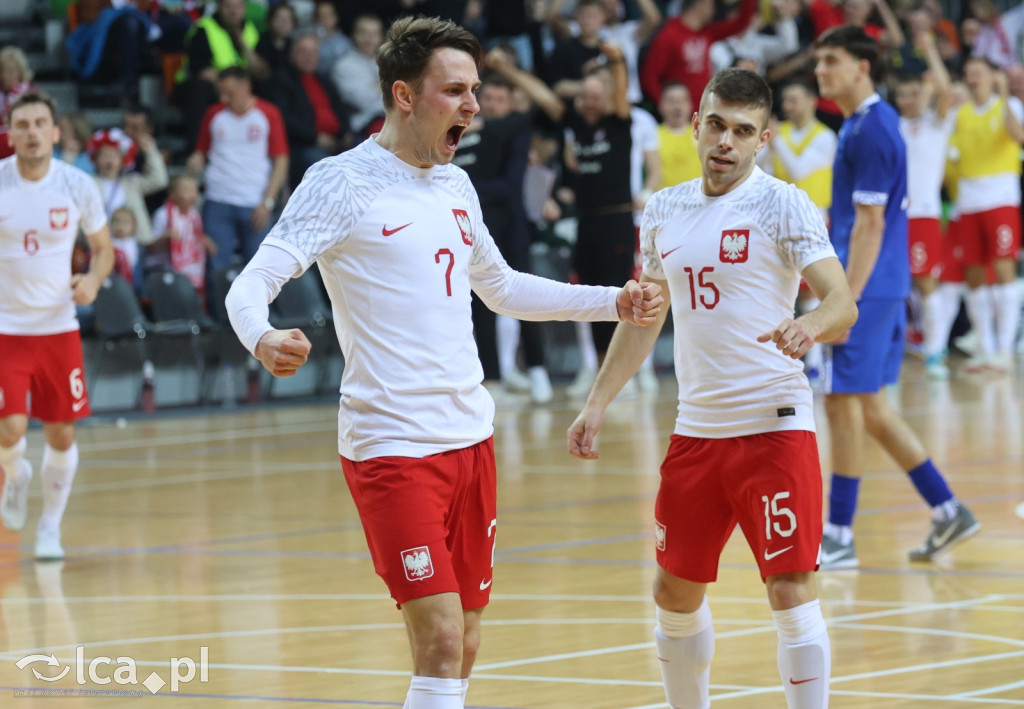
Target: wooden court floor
[234,532]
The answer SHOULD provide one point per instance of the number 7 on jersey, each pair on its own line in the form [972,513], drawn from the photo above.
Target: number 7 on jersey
[448,271]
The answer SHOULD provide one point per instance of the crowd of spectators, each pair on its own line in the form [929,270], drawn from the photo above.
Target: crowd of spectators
[585,111]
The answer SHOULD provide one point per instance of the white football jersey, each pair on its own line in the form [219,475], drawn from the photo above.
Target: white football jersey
[927,139]
[39,222]
[733,266]
[399,249]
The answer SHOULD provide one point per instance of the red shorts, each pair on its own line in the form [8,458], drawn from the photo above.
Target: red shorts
[430,523]
[770,483]
[50,368]
[991,235]
[927,252]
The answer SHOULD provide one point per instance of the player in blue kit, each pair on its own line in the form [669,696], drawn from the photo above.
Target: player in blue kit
[869,232]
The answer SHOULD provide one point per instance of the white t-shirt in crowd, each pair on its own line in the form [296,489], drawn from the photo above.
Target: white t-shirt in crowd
[239,151]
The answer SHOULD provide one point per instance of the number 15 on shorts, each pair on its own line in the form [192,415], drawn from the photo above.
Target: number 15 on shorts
[777,518]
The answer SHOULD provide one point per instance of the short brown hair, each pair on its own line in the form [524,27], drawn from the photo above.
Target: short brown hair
[409,44]
[29,98]
[740,87]
[858,44]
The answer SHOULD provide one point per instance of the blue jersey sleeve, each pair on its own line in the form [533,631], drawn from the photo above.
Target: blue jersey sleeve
[878,164]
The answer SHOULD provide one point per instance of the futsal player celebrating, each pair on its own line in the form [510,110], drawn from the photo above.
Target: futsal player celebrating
[398,235]
[730,248]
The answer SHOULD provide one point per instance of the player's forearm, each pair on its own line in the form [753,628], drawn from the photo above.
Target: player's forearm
[252,291]
[1013,125]
[865,245]
[834,316]
[527,297]
[629,348]
[102,262]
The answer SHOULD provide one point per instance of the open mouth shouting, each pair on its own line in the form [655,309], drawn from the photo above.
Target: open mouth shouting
[454,135]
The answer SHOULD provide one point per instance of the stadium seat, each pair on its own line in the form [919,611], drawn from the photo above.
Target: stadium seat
[302,304]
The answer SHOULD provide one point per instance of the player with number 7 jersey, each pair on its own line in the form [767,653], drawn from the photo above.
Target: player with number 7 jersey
[43,205]
[729,250]
[399,238]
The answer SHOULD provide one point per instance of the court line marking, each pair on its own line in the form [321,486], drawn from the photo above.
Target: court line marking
[992,690]
[566,598]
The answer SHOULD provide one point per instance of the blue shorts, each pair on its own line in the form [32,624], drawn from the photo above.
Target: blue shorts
[871,358]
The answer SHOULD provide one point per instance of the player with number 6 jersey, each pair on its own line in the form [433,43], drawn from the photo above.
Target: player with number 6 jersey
[43,204]
[399,238]
[730,249]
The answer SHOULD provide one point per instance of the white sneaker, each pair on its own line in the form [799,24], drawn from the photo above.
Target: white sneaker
[48,546]
[1000,363]
[14,506]
[968,342]
[582,384]
[540,385]
[516,382]
[647,380]
[975,365]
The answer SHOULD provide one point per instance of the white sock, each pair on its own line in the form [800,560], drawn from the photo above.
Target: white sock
[506,333]
[57,473]
[805,656]
[434,693]
[686,644]
[465,689]
[1006,299]
[840,534]
[931,325]
[949,295]
[980,311]
[10,459]
[585,340]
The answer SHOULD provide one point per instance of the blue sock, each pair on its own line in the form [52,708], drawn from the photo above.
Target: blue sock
[842,500]
[930,483]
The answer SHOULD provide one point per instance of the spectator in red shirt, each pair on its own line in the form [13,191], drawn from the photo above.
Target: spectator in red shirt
[680,51]
[243,147]
[315,118]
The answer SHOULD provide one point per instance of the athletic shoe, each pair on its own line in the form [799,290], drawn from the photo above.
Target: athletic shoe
[516,382]
[967,343]
[540,385]
[582,384]
[647,380]
[14,506]
[935,367]
[834,555]
[999,364]
[975,365]
[945,535]
[48,546]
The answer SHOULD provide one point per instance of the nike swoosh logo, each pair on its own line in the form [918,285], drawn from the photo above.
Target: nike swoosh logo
[941,539]
[388,232]
[665,254]
[801,681]
[769,557]
[484,585]
[827,558]
[77,406]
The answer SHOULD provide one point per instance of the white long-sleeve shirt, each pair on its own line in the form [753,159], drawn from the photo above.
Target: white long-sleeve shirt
[400,248]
